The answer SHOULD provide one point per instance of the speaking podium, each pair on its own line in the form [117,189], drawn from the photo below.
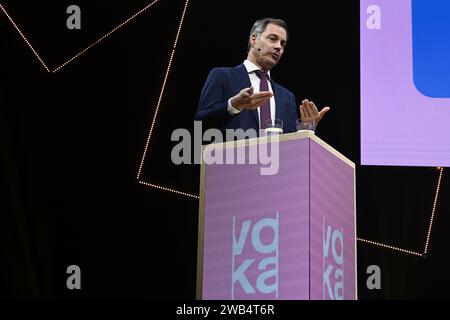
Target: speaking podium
[287,232]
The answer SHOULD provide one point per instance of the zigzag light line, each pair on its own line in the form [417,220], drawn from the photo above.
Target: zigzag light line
[389,247]
[169,190]
[161,95]
[24,38]
[441,170]
[430,226]
[105,36]
[82,51]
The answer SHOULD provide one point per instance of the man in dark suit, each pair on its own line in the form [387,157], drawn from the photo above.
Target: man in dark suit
[246,97]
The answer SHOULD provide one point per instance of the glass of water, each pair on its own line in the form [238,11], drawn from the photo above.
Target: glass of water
[273,127]
[306,126]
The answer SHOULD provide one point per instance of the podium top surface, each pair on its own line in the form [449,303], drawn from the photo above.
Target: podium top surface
[282,137]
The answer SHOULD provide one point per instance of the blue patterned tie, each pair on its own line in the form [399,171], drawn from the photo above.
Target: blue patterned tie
[264,110]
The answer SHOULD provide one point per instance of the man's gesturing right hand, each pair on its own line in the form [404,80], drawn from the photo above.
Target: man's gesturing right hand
[246,99]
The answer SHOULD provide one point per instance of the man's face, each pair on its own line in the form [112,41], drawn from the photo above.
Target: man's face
[272,43]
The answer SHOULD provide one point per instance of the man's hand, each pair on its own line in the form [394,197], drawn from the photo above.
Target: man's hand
[247,99]
[309,112]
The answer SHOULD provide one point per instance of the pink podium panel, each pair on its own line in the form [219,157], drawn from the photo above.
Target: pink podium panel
[285,235]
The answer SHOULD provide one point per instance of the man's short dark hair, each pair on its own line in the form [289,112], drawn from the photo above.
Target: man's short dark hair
[260,26]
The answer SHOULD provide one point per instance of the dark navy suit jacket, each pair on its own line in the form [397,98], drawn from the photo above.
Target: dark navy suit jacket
[222,84]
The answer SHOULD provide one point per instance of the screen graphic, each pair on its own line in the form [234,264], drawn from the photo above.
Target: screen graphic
[405,82]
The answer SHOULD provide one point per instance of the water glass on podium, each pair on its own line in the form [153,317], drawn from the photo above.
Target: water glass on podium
[303,126]
[273,127]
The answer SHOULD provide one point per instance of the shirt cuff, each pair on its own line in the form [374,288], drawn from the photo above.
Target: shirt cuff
[232,110]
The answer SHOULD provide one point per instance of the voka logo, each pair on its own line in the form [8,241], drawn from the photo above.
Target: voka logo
[333,262]
[255,259]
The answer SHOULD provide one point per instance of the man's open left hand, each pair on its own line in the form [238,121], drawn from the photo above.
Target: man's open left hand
[310,113]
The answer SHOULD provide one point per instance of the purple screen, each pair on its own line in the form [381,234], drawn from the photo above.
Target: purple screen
[405,81]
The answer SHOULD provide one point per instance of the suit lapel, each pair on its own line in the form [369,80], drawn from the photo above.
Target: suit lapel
[243,81]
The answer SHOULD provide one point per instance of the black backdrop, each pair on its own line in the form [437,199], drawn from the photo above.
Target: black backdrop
[72,141]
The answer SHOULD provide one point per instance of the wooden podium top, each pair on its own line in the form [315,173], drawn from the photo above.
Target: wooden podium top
[283,137]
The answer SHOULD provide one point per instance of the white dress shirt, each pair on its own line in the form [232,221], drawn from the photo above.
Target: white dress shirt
[255,81]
